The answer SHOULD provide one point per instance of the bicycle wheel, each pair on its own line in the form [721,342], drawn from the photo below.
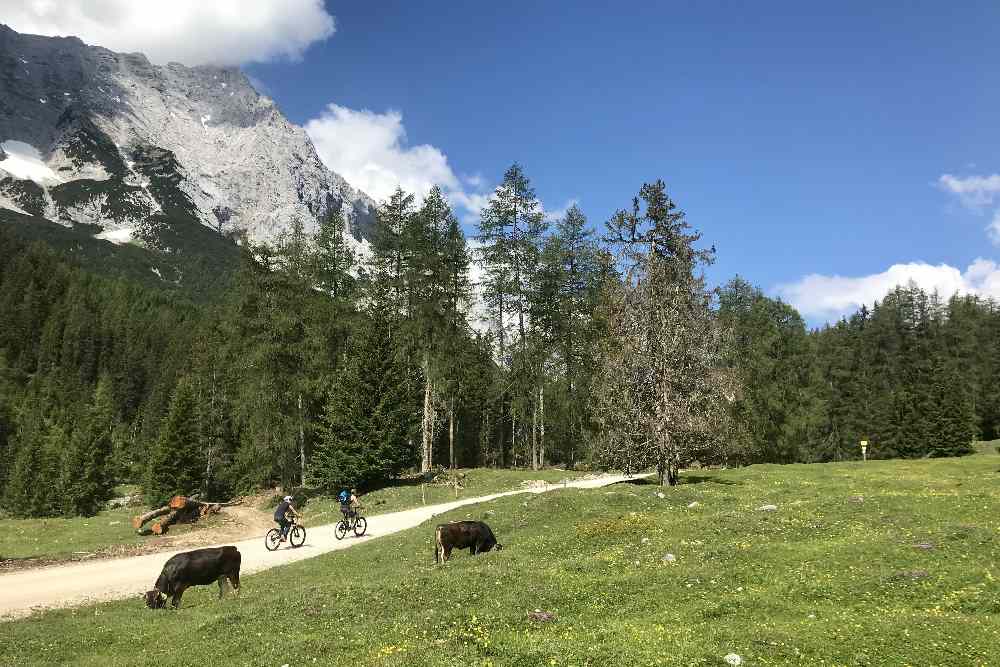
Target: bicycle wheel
[273,539]
[298,536]
[340,530]
[360,526]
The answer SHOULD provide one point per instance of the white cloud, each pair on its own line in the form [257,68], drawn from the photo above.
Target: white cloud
[979,194]
[369,150]
[559,214]
[817,296]
[975,192]
[475,180]
[193,32]
[993,229]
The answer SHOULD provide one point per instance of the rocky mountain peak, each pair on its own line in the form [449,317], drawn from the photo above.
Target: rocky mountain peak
[113,140]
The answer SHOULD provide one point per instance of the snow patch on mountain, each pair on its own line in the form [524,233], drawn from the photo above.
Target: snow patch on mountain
[118,237]
[23,161]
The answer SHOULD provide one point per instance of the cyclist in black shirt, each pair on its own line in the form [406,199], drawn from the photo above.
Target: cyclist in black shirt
[281,514]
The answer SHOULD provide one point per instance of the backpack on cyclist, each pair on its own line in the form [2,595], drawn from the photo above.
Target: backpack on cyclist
[344,497]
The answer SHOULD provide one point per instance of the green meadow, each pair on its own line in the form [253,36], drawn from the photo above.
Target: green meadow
[884,563]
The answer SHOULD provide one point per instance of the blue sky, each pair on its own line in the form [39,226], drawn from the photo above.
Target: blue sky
[853,143]
[799,139]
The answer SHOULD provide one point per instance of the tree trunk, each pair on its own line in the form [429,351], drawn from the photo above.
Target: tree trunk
[513,434]
[541,426]
[425,458]
[162,526]
[534,440]
[140,519]
[500,446]
[451,433]
[211,440]
[430,449]
[302,441]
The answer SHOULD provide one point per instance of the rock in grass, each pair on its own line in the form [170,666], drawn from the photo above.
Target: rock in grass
[926,546]
[768,508]
[693,504]
[540,616]
[660,495]
[913,575]
[670,558]
[857,499]
[733,659]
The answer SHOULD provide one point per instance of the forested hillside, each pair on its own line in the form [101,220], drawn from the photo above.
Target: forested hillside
[582,344]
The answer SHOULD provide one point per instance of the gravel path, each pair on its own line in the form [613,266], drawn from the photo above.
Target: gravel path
[93,581]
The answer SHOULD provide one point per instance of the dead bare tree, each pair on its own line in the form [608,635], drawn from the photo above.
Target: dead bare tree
[661,391]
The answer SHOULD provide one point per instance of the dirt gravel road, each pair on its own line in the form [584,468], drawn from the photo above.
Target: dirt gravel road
[24,591]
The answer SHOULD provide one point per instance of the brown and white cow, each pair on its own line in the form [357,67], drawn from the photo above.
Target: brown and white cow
[475,536]
[195,568]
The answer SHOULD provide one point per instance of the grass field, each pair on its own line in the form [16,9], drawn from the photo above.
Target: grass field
[885,563]
[62,538]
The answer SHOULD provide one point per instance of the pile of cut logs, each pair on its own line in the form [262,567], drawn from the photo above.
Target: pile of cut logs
[180,509]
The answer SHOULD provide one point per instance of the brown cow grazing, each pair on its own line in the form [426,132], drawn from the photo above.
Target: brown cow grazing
[475,536]
[195,568]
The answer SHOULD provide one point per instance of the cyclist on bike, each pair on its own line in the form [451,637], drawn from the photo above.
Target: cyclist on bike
[282,513]
[349,503]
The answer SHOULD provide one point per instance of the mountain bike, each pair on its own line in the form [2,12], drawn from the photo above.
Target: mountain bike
[354,522]
[296,536]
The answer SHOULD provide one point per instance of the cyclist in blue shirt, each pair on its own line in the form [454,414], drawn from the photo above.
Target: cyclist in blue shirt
[349,503]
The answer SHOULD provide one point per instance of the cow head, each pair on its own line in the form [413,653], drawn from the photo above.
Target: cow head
[155,599]
[498,547]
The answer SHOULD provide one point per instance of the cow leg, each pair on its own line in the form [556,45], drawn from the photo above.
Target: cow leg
[234,579]
[176,601]
[447,553]
[472,549]
[222,586]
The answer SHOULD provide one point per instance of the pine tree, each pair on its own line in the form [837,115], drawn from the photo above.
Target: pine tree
[770,352]
[953,417]
[387,267]
[370,422]
[176,463]
[334,257]
[32,488]
[86,478]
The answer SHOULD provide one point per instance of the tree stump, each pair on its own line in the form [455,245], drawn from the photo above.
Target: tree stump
[162,526]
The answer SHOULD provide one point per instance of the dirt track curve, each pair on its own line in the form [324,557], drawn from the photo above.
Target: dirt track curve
[93,581]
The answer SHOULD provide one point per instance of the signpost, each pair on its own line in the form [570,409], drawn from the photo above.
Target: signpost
[864,450]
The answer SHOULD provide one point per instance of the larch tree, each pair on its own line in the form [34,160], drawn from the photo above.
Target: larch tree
[662,392]
[334,257]
[511,227]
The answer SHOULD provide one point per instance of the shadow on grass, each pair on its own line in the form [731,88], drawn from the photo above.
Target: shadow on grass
[707,479]
[685,479]
[636,481]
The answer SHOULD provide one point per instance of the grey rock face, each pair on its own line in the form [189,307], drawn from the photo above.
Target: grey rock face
[129,140]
